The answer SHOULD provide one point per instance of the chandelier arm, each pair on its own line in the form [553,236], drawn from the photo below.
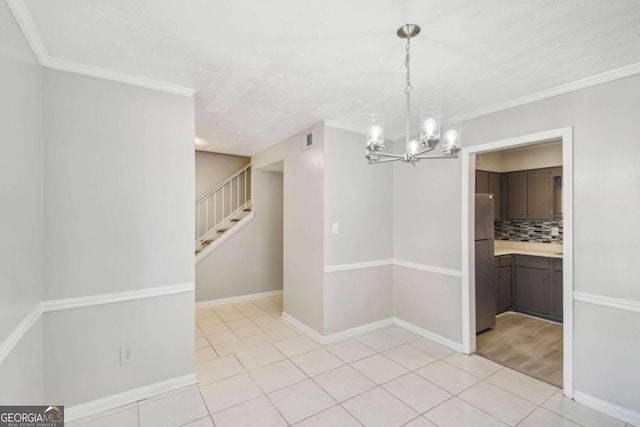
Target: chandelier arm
[373,162]
[393,156]
[440,156]
[426,150]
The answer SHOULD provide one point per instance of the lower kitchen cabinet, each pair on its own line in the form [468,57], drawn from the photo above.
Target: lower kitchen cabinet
[538,286]
[504,281]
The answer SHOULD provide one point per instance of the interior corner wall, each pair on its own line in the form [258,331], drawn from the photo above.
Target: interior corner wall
[213,168]
[358,197]
[251,260]
[119,216]
[303,217]
[21,212]
[606,178]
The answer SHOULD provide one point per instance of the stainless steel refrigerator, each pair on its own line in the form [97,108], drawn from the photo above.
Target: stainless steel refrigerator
[485,272]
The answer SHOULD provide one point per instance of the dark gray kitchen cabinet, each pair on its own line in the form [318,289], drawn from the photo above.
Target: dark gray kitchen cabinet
[490,183]
[538,286]
[540,194]
[504,281]
[517,195]
[494,188]
[482,182]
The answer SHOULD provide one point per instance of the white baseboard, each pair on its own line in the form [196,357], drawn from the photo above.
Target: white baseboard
[358,330]
[627,415]
[93,407]
[429,335]
[240,298]
[303,327]
[369,327]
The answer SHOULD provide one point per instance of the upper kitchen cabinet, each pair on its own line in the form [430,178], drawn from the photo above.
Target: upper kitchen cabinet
[540,194]
[482,182]
[489,183]
[517,195]
[535,194]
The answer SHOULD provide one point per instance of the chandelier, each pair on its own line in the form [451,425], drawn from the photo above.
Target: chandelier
[430,125]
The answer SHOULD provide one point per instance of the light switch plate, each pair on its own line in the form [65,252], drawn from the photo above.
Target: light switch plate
[335,228]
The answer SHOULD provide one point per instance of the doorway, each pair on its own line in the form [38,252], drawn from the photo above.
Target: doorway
[468,156]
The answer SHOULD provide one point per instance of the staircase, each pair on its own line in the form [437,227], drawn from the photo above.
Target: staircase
[219,210]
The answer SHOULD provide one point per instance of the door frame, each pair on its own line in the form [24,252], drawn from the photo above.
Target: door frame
[467,155]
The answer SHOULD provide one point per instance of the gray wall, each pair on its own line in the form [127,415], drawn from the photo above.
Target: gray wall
[213,168]
[359,197]
[606,208]
[119,191]
[426,225]
[251,260]
[21,211]
[303,216]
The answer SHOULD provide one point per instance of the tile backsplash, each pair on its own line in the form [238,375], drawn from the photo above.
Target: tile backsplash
[527,231]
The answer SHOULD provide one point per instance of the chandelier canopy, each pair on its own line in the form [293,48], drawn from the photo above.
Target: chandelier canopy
[430,125]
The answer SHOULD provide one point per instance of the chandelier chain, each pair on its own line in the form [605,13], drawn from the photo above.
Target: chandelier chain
[406,64]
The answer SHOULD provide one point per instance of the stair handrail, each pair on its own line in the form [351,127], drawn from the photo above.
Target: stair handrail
[223,183]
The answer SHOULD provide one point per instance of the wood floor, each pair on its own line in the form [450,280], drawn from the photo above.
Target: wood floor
[531,346]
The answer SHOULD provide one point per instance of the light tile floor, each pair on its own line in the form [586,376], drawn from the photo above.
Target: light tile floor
[255,370]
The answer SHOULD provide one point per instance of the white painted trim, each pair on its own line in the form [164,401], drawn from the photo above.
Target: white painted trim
[338,336]
[26,24]
[93,407]
[398,262]
[428,334]
[358,265]
[225,236]
[619,303]
[240,298]
[429,268]
[23,17]
[358,330]
[587,82]
[117,76]
[14,337]
[115,297]
[468,285]
[312,333]
[627,415]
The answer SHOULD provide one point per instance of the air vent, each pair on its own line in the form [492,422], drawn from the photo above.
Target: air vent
[308,142]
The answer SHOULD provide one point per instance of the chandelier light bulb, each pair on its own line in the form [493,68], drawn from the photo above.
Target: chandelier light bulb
[451,136]
[413,146]
[375,133]
[430,126]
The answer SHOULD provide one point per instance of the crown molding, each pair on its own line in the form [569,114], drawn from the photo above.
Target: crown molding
[31,34]
[116,76]
[587,82]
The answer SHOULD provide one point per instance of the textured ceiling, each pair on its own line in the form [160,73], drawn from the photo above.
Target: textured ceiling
[264,70]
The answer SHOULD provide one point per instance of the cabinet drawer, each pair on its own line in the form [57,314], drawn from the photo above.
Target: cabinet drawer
[532,261]
[505,260]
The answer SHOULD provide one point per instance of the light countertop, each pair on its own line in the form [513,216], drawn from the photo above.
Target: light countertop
[550,250]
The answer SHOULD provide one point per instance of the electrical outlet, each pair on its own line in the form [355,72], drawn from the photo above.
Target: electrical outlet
[126,354]
[555,231]
[365,302]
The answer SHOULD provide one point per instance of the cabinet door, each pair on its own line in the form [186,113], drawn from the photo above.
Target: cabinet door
[540,194]
[494,188]
[556,295]
[504,196]
[532,291]
[482,182]
[503,291]
[517,195]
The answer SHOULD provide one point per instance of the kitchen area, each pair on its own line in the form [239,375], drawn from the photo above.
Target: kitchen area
[519,262]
